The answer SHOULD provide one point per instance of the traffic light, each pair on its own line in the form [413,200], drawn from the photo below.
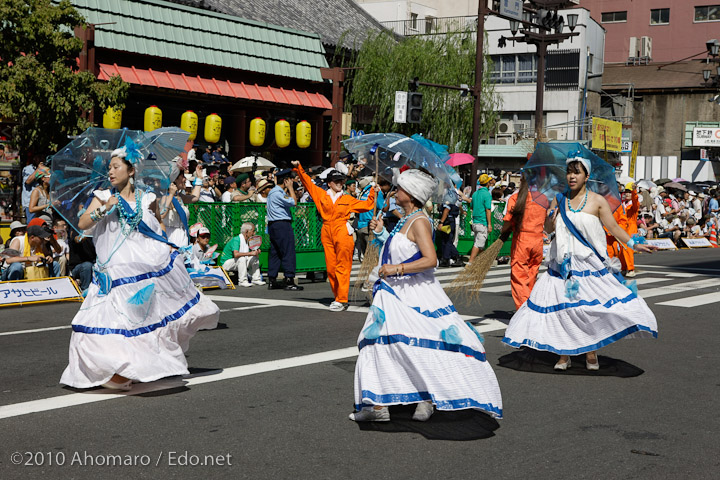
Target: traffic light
[414,107]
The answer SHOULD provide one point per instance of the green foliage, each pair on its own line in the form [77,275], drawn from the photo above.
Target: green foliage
[41,89]
[385,65]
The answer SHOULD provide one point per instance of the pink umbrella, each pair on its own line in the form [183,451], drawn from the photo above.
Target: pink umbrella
[457,159]
[679,180]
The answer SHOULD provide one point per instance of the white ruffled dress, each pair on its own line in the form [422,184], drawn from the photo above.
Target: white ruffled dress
[174,228]
[146,341]
[423,350]
[603,311]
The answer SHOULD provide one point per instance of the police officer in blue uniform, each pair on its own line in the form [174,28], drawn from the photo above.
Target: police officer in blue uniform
[282,238]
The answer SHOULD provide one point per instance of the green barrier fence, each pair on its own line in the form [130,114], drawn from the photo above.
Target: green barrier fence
[224,221]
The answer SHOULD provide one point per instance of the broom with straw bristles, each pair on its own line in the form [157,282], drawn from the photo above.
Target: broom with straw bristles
[371,256]
[466,286]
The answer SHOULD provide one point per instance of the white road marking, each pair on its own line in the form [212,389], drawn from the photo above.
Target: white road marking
[711,270]
[695,301]
[37,330]
[679,288]
[244,308]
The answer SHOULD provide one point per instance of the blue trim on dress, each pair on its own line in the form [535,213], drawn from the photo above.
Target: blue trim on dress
[422,343]
[580,303]
[142,330]
[579,273]
[144,276]
[440,312]
[590,348]
[416,397]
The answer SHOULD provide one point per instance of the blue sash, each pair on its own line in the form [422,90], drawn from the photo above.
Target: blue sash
[143,227]
[576,233]
[181,214]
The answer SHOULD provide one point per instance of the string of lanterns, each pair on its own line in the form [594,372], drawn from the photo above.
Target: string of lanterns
[213,127]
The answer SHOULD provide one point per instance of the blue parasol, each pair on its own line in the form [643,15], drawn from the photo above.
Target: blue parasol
[395,151]
[546,170]
[81,167]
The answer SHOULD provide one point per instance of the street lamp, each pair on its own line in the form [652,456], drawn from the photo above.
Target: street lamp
[706,75]
[713,47]
[572,21]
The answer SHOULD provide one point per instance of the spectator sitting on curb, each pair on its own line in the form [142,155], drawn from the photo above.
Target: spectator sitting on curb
[82,258]
[36,237]
[201,245]
[238,257]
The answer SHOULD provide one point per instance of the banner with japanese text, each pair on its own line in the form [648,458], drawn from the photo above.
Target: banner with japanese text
[606,131]
[21,292]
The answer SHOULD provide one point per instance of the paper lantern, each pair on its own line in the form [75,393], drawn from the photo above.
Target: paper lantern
[112,118]
[303,136]
[153,118]
[189,123]
[282,133]
[213,127]
[257,132]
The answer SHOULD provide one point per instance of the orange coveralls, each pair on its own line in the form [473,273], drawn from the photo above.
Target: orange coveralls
[626,216]
[526,253]
[336,240]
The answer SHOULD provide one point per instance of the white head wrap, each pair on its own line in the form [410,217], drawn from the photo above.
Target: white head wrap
[583,160]
[119,152]
[418,184]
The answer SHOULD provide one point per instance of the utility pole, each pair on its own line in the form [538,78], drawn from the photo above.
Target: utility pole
[477,90]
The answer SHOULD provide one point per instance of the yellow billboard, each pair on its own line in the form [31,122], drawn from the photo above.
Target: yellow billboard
[606,134]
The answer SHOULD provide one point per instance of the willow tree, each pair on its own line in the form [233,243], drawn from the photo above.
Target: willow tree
[385,65]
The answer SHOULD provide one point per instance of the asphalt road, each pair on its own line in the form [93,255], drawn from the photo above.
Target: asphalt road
[270,391]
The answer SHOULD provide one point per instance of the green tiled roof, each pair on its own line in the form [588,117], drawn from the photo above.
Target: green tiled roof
[162,29]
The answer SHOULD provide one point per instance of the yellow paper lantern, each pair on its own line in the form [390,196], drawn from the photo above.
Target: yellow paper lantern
[303,134]
[257,132]
[282,133]
[153,118]
[189,123]
[213,126]
[112,118]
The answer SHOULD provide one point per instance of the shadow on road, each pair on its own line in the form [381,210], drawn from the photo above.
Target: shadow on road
[528,360]
[460,425]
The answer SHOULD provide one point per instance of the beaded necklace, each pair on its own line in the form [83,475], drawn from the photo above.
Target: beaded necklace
[402,221]
[581,206]
[129,220]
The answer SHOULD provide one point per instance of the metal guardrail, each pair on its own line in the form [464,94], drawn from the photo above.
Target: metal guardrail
[432,26]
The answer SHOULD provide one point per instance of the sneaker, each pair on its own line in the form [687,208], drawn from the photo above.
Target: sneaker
[245,284]
[338,307]
[630,273]
[423,411]
[371,415]
[290,285]
[258,282]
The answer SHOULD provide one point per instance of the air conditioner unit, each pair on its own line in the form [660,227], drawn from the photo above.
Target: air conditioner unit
[522,128]
[646,47]
[634,51]
[504,140]
[552,134]
[506,127]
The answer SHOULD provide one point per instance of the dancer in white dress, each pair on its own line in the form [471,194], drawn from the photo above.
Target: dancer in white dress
[581,303]
[142,307]
[415,347]
[173,212]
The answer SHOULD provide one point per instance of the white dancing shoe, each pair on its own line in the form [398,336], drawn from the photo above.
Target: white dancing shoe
[371,415]
[118,386]
[423,411]
[563,366]
[592,366]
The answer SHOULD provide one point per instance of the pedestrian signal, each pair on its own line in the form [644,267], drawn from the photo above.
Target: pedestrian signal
[414,107]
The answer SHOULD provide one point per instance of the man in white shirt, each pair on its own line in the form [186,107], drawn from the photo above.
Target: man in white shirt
[237,256]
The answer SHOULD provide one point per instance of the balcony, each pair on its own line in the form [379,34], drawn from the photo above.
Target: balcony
[431,25]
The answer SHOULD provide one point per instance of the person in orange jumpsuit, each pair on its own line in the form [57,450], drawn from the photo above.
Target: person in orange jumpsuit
[526,253]
[335,209]
[626,216]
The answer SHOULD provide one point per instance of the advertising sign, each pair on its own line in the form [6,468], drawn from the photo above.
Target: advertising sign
[20,292]
[606,134]
[697,242]
[706,137]
[662,243]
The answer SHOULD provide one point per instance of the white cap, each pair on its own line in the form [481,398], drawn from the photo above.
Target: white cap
[202,231]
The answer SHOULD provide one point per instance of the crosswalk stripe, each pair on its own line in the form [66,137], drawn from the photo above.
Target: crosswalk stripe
[694,301]
[679,288]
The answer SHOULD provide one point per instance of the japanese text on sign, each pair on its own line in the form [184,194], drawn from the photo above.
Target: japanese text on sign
[606,134]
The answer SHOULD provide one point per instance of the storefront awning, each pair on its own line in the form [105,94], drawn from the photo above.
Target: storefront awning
[212,86]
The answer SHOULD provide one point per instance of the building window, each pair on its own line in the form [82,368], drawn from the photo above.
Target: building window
[659,16]
[413,21]
[614,17]
[527,68]
[429,24]
[709,13]
[514,69]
